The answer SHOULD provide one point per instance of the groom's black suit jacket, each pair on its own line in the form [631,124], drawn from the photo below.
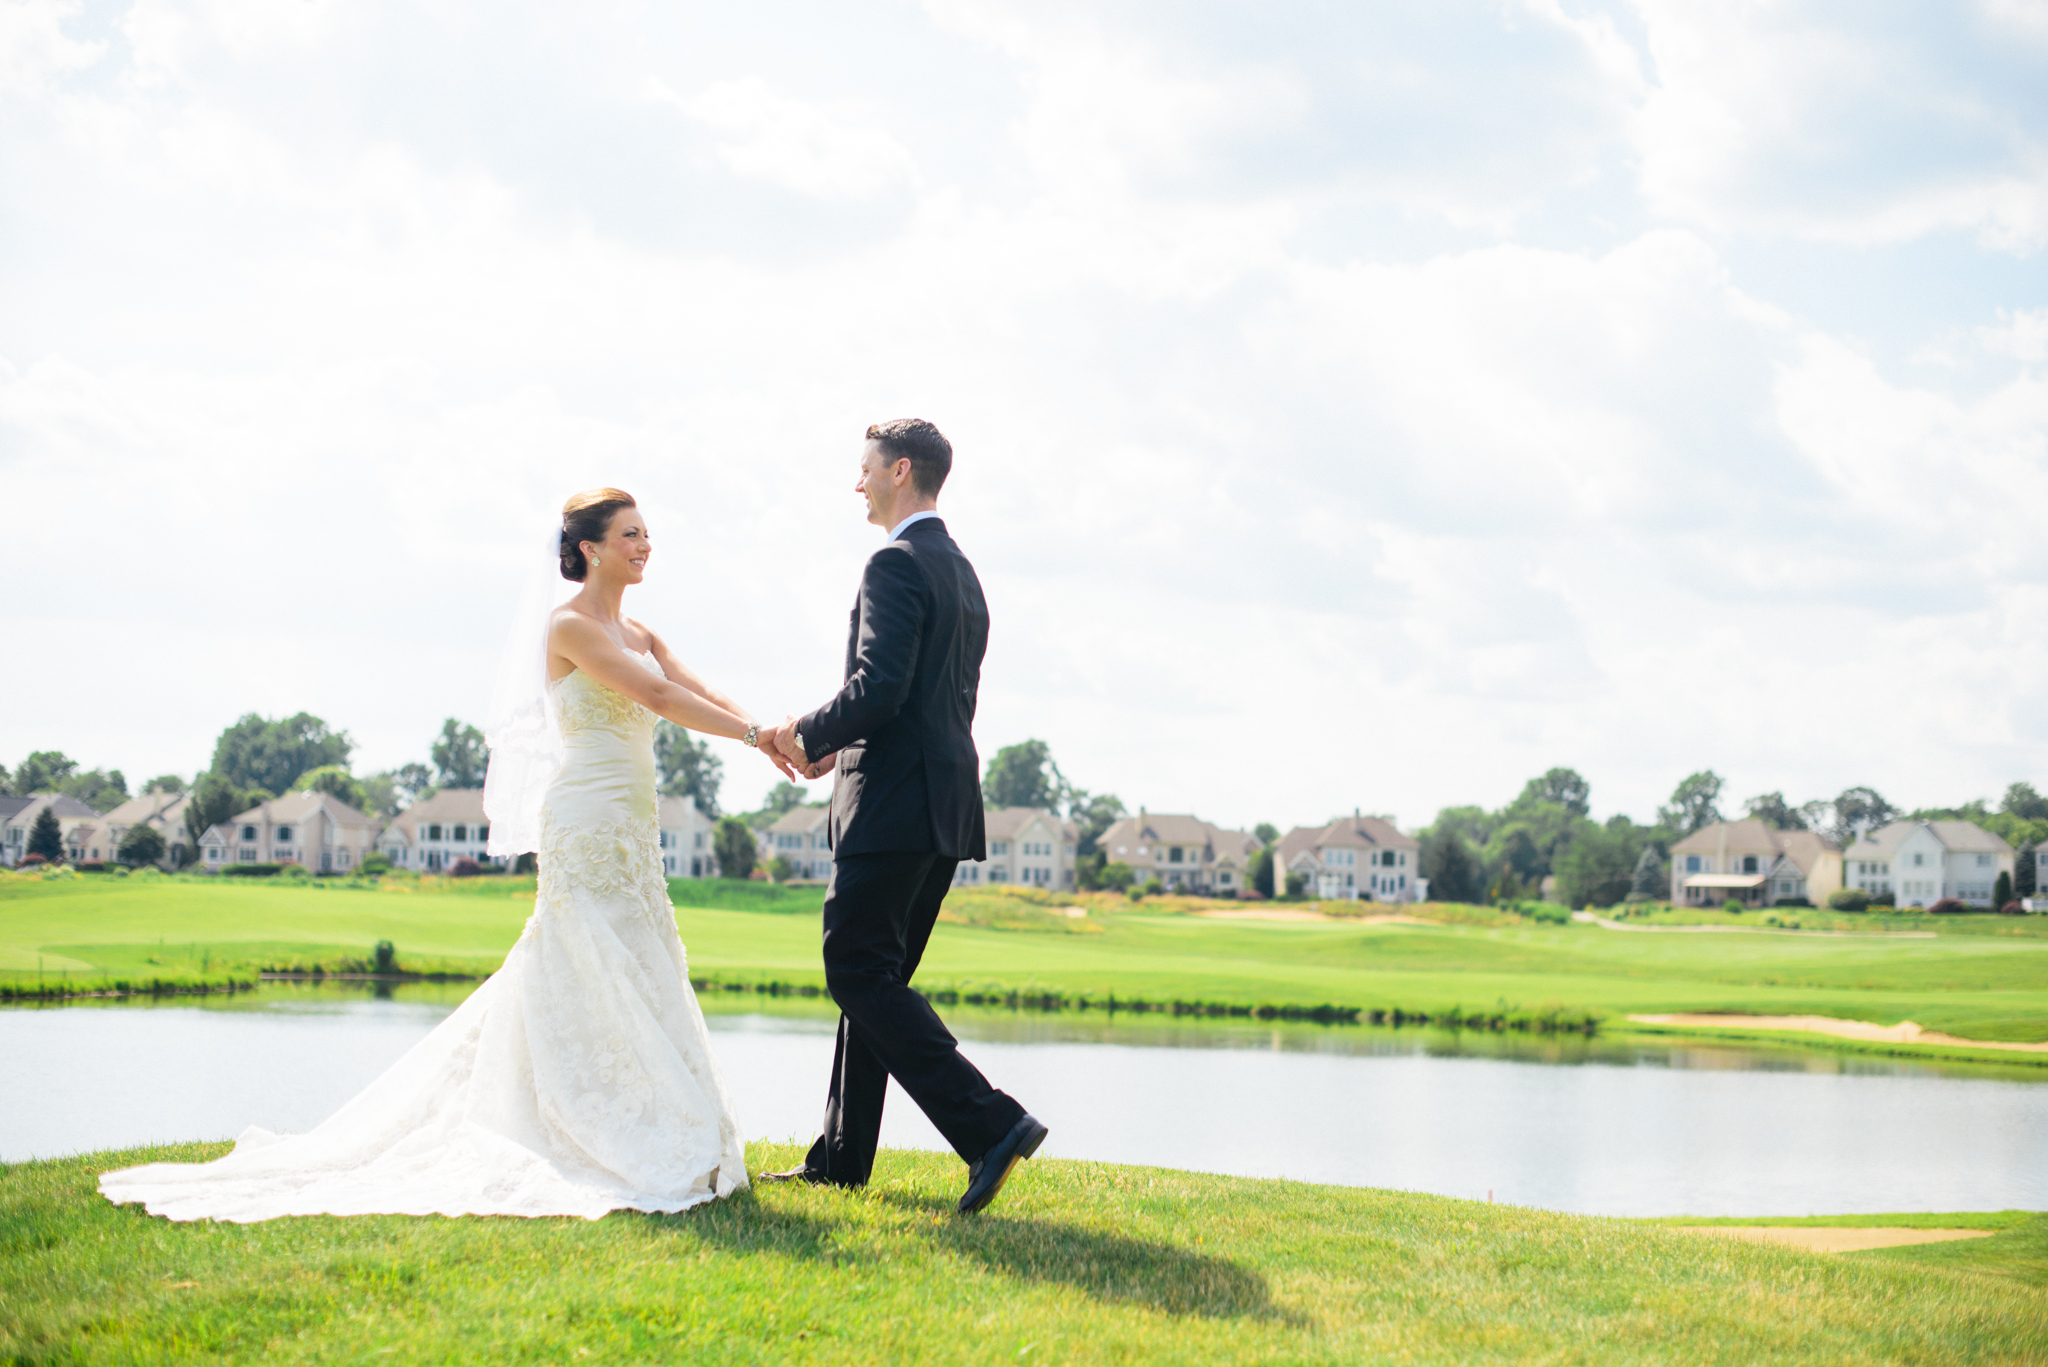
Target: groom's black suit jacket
[908,779]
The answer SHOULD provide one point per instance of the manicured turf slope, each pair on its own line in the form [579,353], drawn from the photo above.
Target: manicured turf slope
[1991,983]
[1078,1263]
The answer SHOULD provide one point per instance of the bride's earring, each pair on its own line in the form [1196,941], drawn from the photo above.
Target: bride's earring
[593,562]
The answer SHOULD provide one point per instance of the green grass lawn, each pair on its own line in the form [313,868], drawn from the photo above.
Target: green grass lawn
[1077,1263]
[1968,980]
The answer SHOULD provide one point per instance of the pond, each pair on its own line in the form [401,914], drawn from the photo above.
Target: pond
[1592,1126]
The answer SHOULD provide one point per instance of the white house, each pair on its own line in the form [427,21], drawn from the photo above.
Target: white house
[79,825]
[1750,862]
[1921,862]
[164,811]
[1027,845]
[317,831]
[1185,853]
[799,835]
[1354,858]
[436,831]
[686,850]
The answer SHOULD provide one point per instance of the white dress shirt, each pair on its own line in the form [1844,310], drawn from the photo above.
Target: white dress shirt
[897,530]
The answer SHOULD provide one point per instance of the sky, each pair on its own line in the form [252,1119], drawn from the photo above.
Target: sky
[1354,406]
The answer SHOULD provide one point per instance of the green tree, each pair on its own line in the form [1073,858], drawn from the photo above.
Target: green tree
[257,752]
[1563,787]
[1693,803]
[1775,812]
[141,844]
[1473,825]
[1116,876]
[2024,881]
[1599,869]
[2001,891]
[1265,833]
[214,800]
[1858,811]
[1447,862]
[46,836]
[335,781]
[2022,801]
[734,845]
[6,780]
[1023,775]
[165,783]
[1092,814]
[101,790]
[688,768]
[1261,870]
[460,756]
[1650,882]
[44,772]
[782,868]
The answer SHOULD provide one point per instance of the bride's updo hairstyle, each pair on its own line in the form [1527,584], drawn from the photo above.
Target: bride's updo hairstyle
[588,517]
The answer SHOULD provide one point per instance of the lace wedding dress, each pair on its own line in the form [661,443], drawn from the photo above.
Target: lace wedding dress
[576,1081]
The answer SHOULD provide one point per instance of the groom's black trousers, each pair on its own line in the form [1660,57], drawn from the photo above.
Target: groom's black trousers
[879,911]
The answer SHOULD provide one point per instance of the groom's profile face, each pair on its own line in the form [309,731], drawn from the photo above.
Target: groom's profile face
[882,482]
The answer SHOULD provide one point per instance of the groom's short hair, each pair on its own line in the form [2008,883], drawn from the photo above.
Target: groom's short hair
[923,445]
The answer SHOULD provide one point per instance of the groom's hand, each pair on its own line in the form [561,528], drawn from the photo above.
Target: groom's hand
[783,739]
[818,767]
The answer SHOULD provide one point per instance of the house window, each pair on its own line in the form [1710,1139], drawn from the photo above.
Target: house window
[457,833]
[213,854]
[482,834]
[1223,879]
[248,855]
[248,832]
[1173,856]
[1919,860]
[283,836]
[1983,861]
[433,832]
[1692,863]
[1749,863]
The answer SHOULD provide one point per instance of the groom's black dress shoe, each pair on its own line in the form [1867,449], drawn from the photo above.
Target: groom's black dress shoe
[793,1175]
[986,1177]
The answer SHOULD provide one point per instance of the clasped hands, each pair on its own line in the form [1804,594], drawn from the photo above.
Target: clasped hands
[784,751]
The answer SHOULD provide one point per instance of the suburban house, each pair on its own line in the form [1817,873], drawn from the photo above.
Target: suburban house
[1354,858]
[1921,862]
[1755,864]
[1185,853]
[79,824]
[317,831]
[164,811]
[436,831]
[1028,845]
[685,838]
[799,835]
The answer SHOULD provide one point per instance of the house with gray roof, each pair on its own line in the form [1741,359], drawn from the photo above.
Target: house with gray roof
[1026,845]
[1755,864]
[800,836]
[436,831]
[84,842]
[1354,858]
[1921,862]
[163,811]
[1184,852]
[317,831]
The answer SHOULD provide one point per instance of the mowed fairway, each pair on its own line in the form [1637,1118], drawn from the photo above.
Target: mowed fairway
[1078,1263]
[1990,986]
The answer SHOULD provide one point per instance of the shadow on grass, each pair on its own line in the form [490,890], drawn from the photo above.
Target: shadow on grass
[1108,1267]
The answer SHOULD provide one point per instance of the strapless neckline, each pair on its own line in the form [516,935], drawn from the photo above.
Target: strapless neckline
[643,655]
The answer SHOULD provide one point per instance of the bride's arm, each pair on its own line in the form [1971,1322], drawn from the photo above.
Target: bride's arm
[583,643]
[678,672]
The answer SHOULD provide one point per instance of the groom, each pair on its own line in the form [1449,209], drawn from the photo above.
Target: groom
[906,809]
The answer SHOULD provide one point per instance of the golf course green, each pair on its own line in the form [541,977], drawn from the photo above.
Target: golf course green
[1980,978]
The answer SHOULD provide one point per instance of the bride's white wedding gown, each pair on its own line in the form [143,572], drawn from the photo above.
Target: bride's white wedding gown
[576,1081]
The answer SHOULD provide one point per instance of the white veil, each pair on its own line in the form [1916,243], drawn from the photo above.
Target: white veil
[525,742]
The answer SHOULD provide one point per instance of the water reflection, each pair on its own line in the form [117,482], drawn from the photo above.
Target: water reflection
[1600,1125]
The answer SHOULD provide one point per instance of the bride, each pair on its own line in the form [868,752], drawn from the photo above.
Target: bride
[578,1079]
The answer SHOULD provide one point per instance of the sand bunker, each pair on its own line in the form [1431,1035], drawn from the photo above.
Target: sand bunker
[1588,918]
[1834,1240]
[1905,1032]
[1299,914]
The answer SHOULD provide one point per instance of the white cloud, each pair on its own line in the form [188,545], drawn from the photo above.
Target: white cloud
[1287,501]
[769,137]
